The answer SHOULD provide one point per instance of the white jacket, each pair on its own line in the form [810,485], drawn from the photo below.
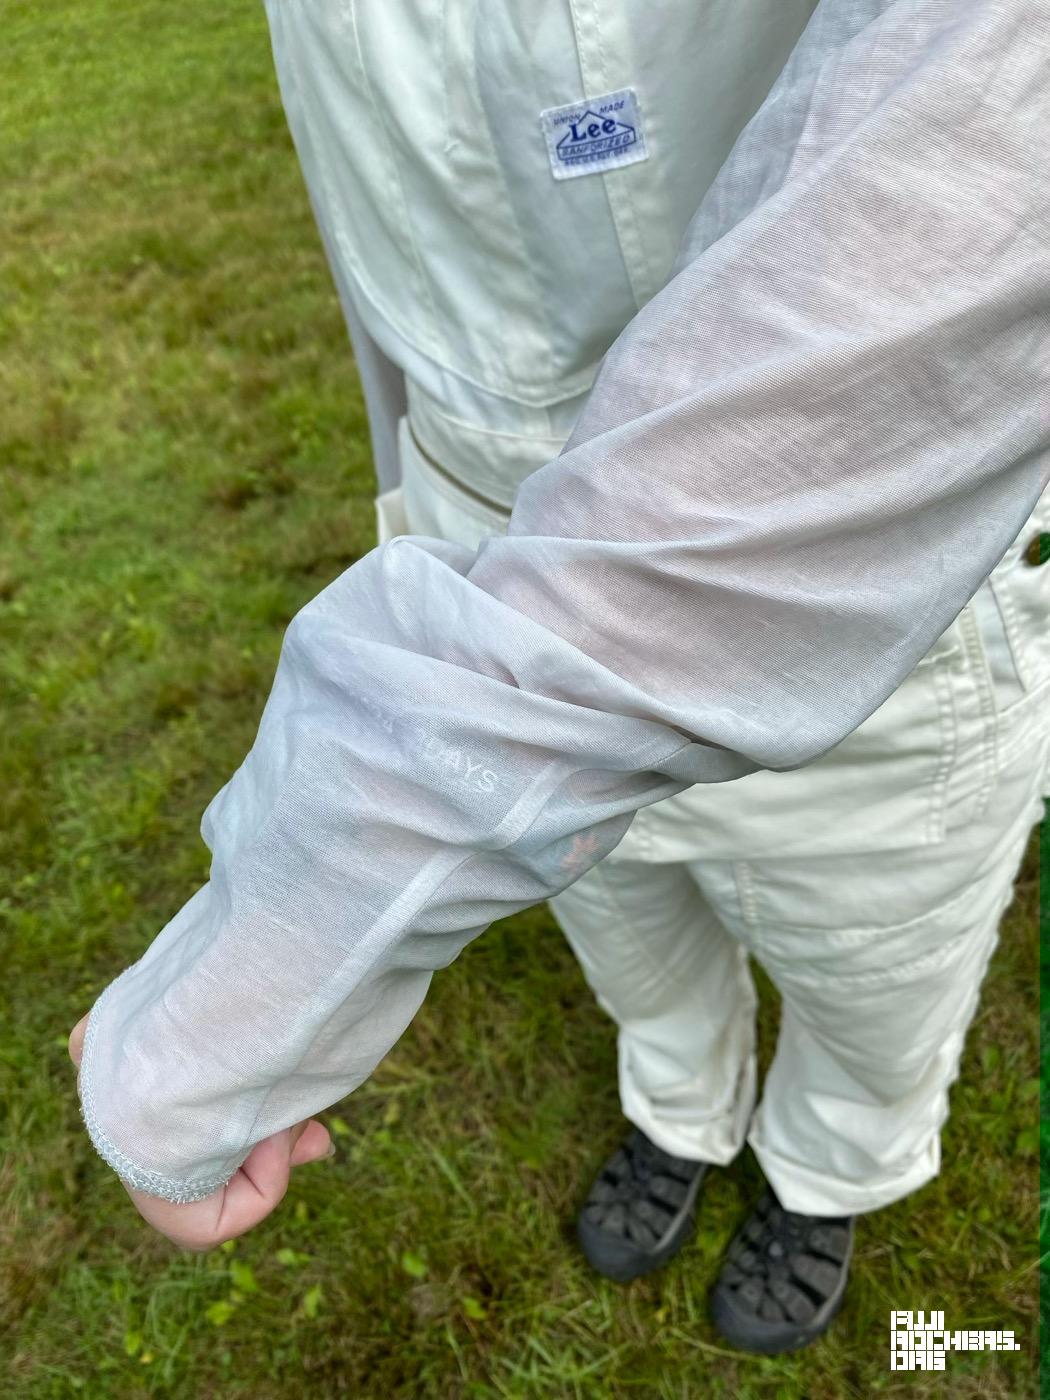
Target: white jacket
[798,461]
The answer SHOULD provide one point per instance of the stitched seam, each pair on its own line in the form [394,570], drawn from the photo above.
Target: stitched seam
[453,489]
[533,393]
[556,443]
[863,933]
[437,336]
[1004,598]
[933,959]
[429,345]
[746,893]
[988,747]
[511,236]
[1034,700]
[622,210]
[936,828]
[660,973]
[525,812]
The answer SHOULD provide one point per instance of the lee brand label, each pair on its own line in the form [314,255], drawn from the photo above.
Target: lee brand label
[599,133]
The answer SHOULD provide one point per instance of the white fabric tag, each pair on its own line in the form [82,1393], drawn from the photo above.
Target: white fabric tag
[597,133]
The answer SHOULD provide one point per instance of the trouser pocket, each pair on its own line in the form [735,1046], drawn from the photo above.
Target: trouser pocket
[437,503]
[1010,627]
[1021,588]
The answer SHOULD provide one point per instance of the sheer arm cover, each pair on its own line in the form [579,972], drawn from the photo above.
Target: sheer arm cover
[798,463]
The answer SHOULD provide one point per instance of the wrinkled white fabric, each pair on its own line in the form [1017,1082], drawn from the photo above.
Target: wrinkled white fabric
[868,884]
[798,462]
[876,997]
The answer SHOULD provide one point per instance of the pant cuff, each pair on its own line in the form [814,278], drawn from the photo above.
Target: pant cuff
[811,1192]
[717,1139]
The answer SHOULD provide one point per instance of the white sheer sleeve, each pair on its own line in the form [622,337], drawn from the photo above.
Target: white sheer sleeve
[798,463]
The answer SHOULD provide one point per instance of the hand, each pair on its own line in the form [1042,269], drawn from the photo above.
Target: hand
[249,1196]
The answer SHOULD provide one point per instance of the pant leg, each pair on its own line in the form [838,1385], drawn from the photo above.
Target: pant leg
[871,887]
[879,961]
[678,987]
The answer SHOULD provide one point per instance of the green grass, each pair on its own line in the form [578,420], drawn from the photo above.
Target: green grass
[184,463]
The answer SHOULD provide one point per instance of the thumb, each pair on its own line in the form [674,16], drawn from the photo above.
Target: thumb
[262,1180]
[258,1185]
[311,1141]
[76,1040]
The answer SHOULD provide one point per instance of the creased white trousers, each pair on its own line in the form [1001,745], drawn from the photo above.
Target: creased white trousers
[869,885]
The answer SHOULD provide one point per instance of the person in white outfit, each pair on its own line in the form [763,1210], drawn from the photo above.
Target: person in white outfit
[706,355]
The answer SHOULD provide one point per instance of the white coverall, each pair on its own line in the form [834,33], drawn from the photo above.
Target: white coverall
[760,565]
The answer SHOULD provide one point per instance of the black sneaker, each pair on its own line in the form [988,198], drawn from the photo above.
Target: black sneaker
[784,1278]
[640,1209]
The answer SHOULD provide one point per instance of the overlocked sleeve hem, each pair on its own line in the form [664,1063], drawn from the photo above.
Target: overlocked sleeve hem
[140,1178]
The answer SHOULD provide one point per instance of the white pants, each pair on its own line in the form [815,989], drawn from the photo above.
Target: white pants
[869,885]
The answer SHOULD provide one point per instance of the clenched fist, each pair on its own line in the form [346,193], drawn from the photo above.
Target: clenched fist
[249,1196]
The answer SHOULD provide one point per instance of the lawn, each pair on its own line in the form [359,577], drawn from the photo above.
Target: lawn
[183,463]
